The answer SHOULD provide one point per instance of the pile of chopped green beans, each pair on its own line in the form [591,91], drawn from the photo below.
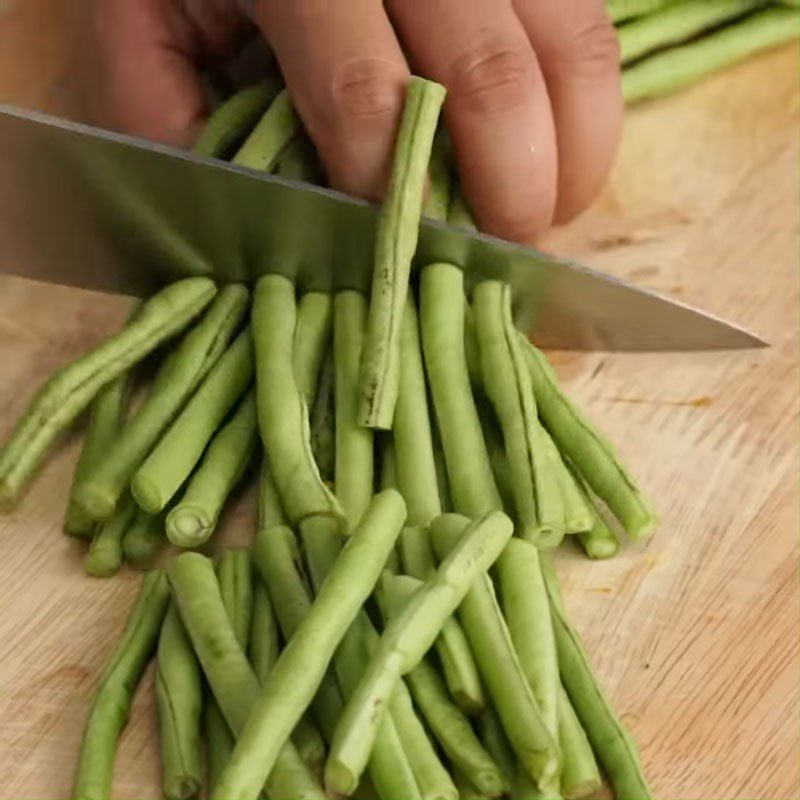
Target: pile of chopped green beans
[396,630]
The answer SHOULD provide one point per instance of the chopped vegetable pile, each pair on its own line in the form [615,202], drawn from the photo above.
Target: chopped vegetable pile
[396,630]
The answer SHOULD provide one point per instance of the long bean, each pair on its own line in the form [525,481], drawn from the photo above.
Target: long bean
[677,67]
[610,741]
[172,460]
[197,593]
[580,776]
[458,663]
[600,541]
[498,662]
[179,701]
[405,641]
[276,128]
[70,390]
[107,414]
[193,519]
[312,333]
[537,496]
[494,739]
[112,700]
[231,121]
[577,509]
[301,666]
[323,423]
[395,244]
[677,23]
[592,456]
[448,723]
[105,552]
[178,377]
[390,766]
[354,472]
[438,200]
[282,412]
[472,484]
[144,539]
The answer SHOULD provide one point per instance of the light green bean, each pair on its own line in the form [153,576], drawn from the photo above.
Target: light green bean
[144,539]
[105,552]
[312,333]
[276,128]
[580,776]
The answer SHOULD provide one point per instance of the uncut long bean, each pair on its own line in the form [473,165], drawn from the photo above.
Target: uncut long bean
[172,460]
[396,241]
[106,417]
[591,455]
[580,776]
[105,552]
[404,643]
[447,722]
[70,390]
[144,539]
[197,593]
[179,702]
[112,700]
[177,378]
[276,128]
[301,666]
[469,472]
[282,412]
[193,519]
[677,67]
[498,662]
[232,120]
[610,741]
[577,508]
[677,23]
[390,768]
[312,334]
[354,454]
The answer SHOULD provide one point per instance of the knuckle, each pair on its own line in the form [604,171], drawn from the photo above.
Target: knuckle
[368,87]
[591,49]
[494,77]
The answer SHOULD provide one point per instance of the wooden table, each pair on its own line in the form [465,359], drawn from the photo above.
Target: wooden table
[695,634]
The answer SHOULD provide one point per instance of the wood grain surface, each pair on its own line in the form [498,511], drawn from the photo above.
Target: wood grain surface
[695,634]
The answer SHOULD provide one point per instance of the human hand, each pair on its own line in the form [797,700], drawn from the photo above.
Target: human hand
[534,106]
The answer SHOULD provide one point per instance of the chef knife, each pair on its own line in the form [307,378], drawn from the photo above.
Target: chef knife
[99,210]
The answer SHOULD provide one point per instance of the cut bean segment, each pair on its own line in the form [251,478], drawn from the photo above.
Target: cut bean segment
[105,552]
[276,128]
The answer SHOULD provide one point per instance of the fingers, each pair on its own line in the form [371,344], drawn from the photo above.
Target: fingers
[577,48]
[347,76]
[497,108]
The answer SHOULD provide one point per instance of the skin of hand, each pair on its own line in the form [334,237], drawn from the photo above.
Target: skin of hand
[534,105]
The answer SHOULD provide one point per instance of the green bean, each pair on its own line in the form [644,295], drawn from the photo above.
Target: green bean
[177,378]
[323,424]
[396,241]
[501,469]
[219,741]
[312,333]
[112,700]
[105,552]
[264,647]
[282,412]
[438,200]
[70,390]
[107,415]
[523,788]
[179,703]
[499,665]
[458,664]
[447,722]
[405,641]
[537,497]
[441,471]
[677,67]
[471,349]
[621,10]
[310,744]
[276,128]
[599,542]
[144,539]
[466,789]
[299,161]
[232,120]
[493,738]
[577,509]
[355,470]
[610,741]
[278,556]
[592,456]
[442,322]
[527,615]
[270,511]
[579,774]
[193,519]
[197,593]
[675,24]
[301,666]
[416,465]
[172,460]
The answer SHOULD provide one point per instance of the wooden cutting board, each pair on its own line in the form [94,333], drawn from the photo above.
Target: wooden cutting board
[695,634]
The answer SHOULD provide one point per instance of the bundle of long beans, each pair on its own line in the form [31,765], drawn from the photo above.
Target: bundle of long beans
[396,630]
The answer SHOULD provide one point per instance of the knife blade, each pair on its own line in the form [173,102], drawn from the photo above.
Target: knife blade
[104,211]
